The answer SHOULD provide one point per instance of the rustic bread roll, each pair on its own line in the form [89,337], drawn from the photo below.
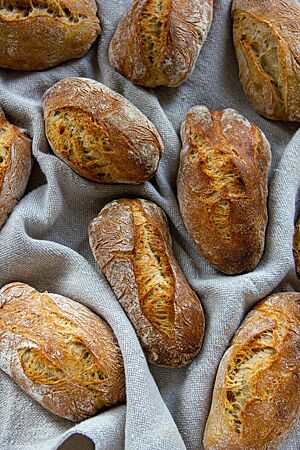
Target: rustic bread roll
[38,34]
[157,42]
[59,352]
[15,165]
[256,398]
[267,42]
[222,187]
[99,134]
[296,247]
[132,245]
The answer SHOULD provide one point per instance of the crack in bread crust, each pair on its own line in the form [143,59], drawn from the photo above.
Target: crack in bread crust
[258,356]
[154,29]
[22,9]
[83,141]
[224,178]
[153,274]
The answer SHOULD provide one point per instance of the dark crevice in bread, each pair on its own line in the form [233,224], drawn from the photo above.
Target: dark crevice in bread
[21,9]
[153,274]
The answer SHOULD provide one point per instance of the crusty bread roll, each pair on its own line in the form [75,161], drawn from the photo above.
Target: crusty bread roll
[267,42]
[38,34]
[296,247]
[132,245]
[59,352]
[256,398]
[99,134]
[15,165]
[157,42]
[222,187]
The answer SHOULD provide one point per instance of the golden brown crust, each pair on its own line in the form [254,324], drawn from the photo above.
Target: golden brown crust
[267,41]
[59,352]
[15,165]
[256,397]
[99,134]
[132,245]
[38,34]
[157,41]
[222,187]
[296,247]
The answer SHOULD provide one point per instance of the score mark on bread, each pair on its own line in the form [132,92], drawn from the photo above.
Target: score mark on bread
[20,9]
[153,274]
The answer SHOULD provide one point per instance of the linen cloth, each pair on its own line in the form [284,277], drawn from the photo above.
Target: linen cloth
[44,243]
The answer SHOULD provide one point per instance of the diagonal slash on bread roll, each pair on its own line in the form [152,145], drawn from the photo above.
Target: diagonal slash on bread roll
[59,352]
[99,134]
[157,42]
[132,245]
[256,398]
[267,42]
[223,186]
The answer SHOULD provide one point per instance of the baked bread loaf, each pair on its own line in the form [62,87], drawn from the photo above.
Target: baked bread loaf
[267,42]
[296,247]
[132,245]
[99,134]
[157,42]
[256,398]
[15,165]
[222,187]
[59,352]
[38,34]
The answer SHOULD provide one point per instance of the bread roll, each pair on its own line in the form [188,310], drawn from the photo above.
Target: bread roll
[222,187]
[15,165]
[132,245]
[59,352]
[296,247]
[256,398]
[267,42]
[99,134]
[38,34]
[157,42]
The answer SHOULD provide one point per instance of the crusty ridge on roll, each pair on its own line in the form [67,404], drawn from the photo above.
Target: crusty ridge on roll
[15,165]
[222,187]
[38,34]
[256,398]
[99,134]
[59,352]
[157,42]
[267,42]
[132,245]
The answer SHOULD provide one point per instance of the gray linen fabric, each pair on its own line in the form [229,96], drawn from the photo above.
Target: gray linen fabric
[44,243]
